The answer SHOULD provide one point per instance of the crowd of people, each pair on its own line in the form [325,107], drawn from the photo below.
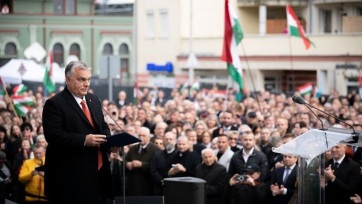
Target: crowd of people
[226,142]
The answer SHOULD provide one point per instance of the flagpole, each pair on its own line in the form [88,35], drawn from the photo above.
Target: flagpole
[291,62]
[251,77]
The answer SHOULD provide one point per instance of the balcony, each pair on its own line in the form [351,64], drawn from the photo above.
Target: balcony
[333,1]
[254,3]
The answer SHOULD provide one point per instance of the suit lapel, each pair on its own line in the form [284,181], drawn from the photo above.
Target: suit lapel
[76,107]
[92,109]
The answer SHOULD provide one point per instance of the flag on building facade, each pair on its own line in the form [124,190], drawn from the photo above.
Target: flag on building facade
[22,104]
[233,34]
[306,89]
[48,83]
[294,27]
[19,89]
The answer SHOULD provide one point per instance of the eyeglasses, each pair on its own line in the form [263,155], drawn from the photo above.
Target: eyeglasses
[233,138]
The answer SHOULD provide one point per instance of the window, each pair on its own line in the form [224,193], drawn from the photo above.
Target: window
[359,11]
[124,57]
[69,7]
[75,50]
[10,49]
[150,24]
[164,23]
[327,21]
[58,54]
[107,49]
[10,53]
[64,7]
[6,6]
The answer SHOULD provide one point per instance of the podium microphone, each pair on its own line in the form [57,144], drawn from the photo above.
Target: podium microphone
[300,100]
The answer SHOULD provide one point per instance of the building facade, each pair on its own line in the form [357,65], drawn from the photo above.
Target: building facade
[169,43]
[72,29]
[172,31]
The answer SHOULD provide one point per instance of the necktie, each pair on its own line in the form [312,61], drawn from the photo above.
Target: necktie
[89,117]
[287,172]
[336,165]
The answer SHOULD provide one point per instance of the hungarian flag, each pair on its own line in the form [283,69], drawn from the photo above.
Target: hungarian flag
[48,83]
[22,104]
[19,89]
[2,83]
[294,27]
[306,88]
[2,95]
[233,34]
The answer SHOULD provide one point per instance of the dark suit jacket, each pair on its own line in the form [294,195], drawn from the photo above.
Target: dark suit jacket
[159,168]
[346,182]
[216,181]
[71,172]
[220,130]
[139,180]
[189,160]
[290,185]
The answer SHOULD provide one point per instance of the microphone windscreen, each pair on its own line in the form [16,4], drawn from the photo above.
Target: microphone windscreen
[298,99]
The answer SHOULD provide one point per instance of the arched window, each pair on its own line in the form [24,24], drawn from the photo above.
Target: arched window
[75,50]
[10,49]
[58,54]
[124,57]
[10,53]
[107,49]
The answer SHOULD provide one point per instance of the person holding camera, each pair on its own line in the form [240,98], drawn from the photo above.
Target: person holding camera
[248,171]
[33,177]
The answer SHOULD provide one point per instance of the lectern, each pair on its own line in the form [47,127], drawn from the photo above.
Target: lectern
[184,190]
[310,147]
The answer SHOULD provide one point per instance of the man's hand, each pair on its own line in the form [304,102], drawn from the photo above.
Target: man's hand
[94,140]
[276,190]
[136,163]
[329,174]
[234,180]
[249,181]
[356,199]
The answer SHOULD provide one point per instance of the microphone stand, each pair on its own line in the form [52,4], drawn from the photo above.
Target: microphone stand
[123,162]
[300,100]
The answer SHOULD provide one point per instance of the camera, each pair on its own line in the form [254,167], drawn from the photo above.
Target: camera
[241,178]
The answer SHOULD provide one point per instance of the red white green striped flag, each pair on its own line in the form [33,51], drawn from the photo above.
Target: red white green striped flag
[233,34]
[2,82]
[305,89]
[2,95]
[22,104]
[48,83]
[19,89]
[135,94]
[294,27]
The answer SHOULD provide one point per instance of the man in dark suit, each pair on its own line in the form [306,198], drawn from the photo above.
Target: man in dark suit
[283,180]
[76,167]
[183,163]
[342,176]
[215,176]
[161,162]
[226,121]
[138,162]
